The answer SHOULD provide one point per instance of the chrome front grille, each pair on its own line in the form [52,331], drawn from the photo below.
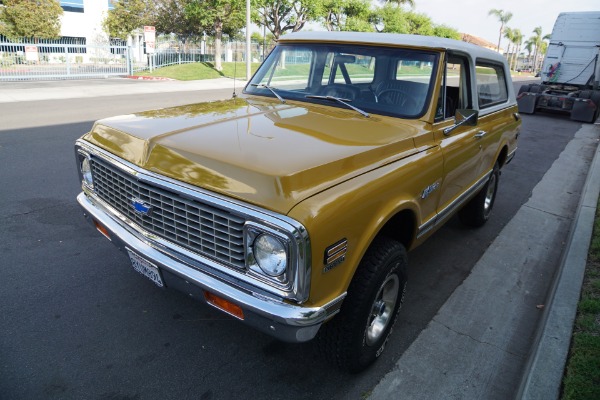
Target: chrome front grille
[200,227]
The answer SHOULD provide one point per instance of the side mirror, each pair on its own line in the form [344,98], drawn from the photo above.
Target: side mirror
[463,117]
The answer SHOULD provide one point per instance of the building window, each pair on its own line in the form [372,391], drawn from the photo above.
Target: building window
[72,5]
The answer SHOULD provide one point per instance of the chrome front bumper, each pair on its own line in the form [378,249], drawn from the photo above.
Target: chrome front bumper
[284,321]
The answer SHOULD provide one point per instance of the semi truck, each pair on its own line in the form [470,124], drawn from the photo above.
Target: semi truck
[571,70]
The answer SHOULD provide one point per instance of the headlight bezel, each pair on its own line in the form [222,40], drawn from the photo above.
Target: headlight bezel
[252,232]
[85,170]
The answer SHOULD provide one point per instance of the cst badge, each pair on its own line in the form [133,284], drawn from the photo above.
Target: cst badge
[335,255]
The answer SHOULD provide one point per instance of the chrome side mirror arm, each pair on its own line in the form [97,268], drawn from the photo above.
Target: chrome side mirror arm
[463,117]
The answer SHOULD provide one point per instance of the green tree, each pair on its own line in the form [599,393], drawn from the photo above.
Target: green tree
[218,17]
[400,3]
[127,16]
[388,19]
[503,17]
[446,32]
[530,47]
[508,34]
[281,16]
[391,19]
[419,24]
[346,15]
[171,17]
[517,41]
[31,19]
[538,40]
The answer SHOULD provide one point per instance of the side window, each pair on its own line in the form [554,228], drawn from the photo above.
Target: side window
[491,84]
[456,88]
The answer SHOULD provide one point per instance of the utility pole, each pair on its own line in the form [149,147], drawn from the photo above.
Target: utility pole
[248,53]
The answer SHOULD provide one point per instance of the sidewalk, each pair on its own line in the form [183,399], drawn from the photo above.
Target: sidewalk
[72,89]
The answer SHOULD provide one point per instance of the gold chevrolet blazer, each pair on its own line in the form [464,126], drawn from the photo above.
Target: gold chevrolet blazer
[292,206]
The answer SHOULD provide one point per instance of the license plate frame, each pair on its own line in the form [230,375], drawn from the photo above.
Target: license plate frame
[145,268]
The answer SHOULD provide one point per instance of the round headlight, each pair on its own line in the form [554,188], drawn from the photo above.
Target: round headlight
[270,254]
[86,172]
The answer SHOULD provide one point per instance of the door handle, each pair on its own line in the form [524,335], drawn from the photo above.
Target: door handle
[480,134]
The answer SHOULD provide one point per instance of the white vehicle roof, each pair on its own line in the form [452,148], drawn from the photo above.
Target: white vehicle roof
[394,39]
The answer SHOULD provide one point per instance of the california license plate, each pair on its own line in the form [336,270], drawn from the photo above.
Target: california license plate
[146,268]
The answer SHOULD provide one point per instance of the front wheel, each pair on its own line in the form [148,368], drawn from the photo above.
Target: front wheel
[357,336]
[478,210]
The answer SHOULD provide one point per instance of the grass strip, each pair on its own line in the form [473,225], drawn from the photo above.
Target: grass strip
[582,373]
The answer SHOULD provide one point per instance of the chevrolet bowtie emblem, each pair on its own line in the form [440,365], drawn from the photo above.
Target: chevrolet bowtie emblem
[140,207]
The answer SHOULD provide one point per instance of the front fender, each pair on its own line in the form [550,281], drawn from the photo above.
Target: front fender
[358,209]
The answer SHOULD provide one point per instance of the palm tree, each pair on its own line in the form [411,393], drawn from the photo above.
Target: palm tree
[530,47]
[539,41]
[503,17]
[517,40]
[508,34]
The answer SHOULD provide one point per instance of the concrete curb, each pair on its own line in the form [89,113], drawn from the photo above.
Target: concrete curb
[148,78]
[544,370]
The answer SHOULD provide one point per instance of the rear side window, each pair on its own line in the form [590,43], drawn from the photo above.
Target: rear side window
[491,84]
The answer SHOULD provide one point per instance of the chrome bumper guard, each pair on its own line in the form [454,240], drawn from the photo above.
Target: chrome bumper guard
[284,321]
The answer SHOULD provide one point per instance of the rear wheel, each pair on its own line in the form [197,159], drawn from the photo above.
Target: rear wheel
[478,210]
[357,336]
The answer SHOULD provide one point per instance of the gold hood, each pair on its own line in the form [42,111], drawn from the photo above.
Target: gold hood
[263,152]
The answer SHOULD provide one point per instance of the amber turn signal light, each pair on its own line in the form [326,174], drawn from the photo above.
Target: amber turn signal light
[102,230]
[225,305]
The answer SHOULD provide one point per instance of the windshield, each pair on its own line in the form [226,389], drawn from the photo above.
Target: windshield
[379,80]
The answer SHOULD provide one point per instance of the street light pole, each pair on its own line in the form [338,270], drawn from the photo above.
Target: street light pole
[248,54]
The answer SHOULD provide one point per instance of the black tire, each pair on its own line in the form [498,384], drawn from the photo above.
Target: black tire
[535,88]
[478,210]
[596,99]
[357,336]
[524,88]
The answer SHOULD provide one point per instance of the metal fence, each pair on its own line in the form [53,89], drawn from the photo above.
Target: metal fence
[29,59]
[73,58]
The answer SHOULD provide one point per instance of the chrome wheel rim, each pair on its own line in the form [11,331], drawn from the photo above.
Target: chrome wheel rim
[489,195]
[382,309]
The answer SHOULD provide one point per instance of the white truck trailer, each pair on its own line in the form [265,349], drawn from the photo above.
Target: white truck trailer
[571,70]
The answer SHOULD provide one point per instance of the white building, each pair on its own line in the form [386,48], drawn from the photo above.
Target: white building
[82,23]
[83,19]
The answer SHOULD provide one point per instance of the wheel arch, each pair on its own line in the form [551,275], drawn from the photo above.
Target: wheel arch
[502,156]
[401,227]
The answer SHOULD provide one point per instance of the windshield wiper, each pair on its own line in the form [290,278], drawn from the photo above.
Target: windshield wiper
[339,100]
[271,88]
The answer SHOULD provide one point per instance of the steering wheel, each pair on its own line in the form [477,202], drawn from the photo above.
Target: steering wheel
[397,97]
